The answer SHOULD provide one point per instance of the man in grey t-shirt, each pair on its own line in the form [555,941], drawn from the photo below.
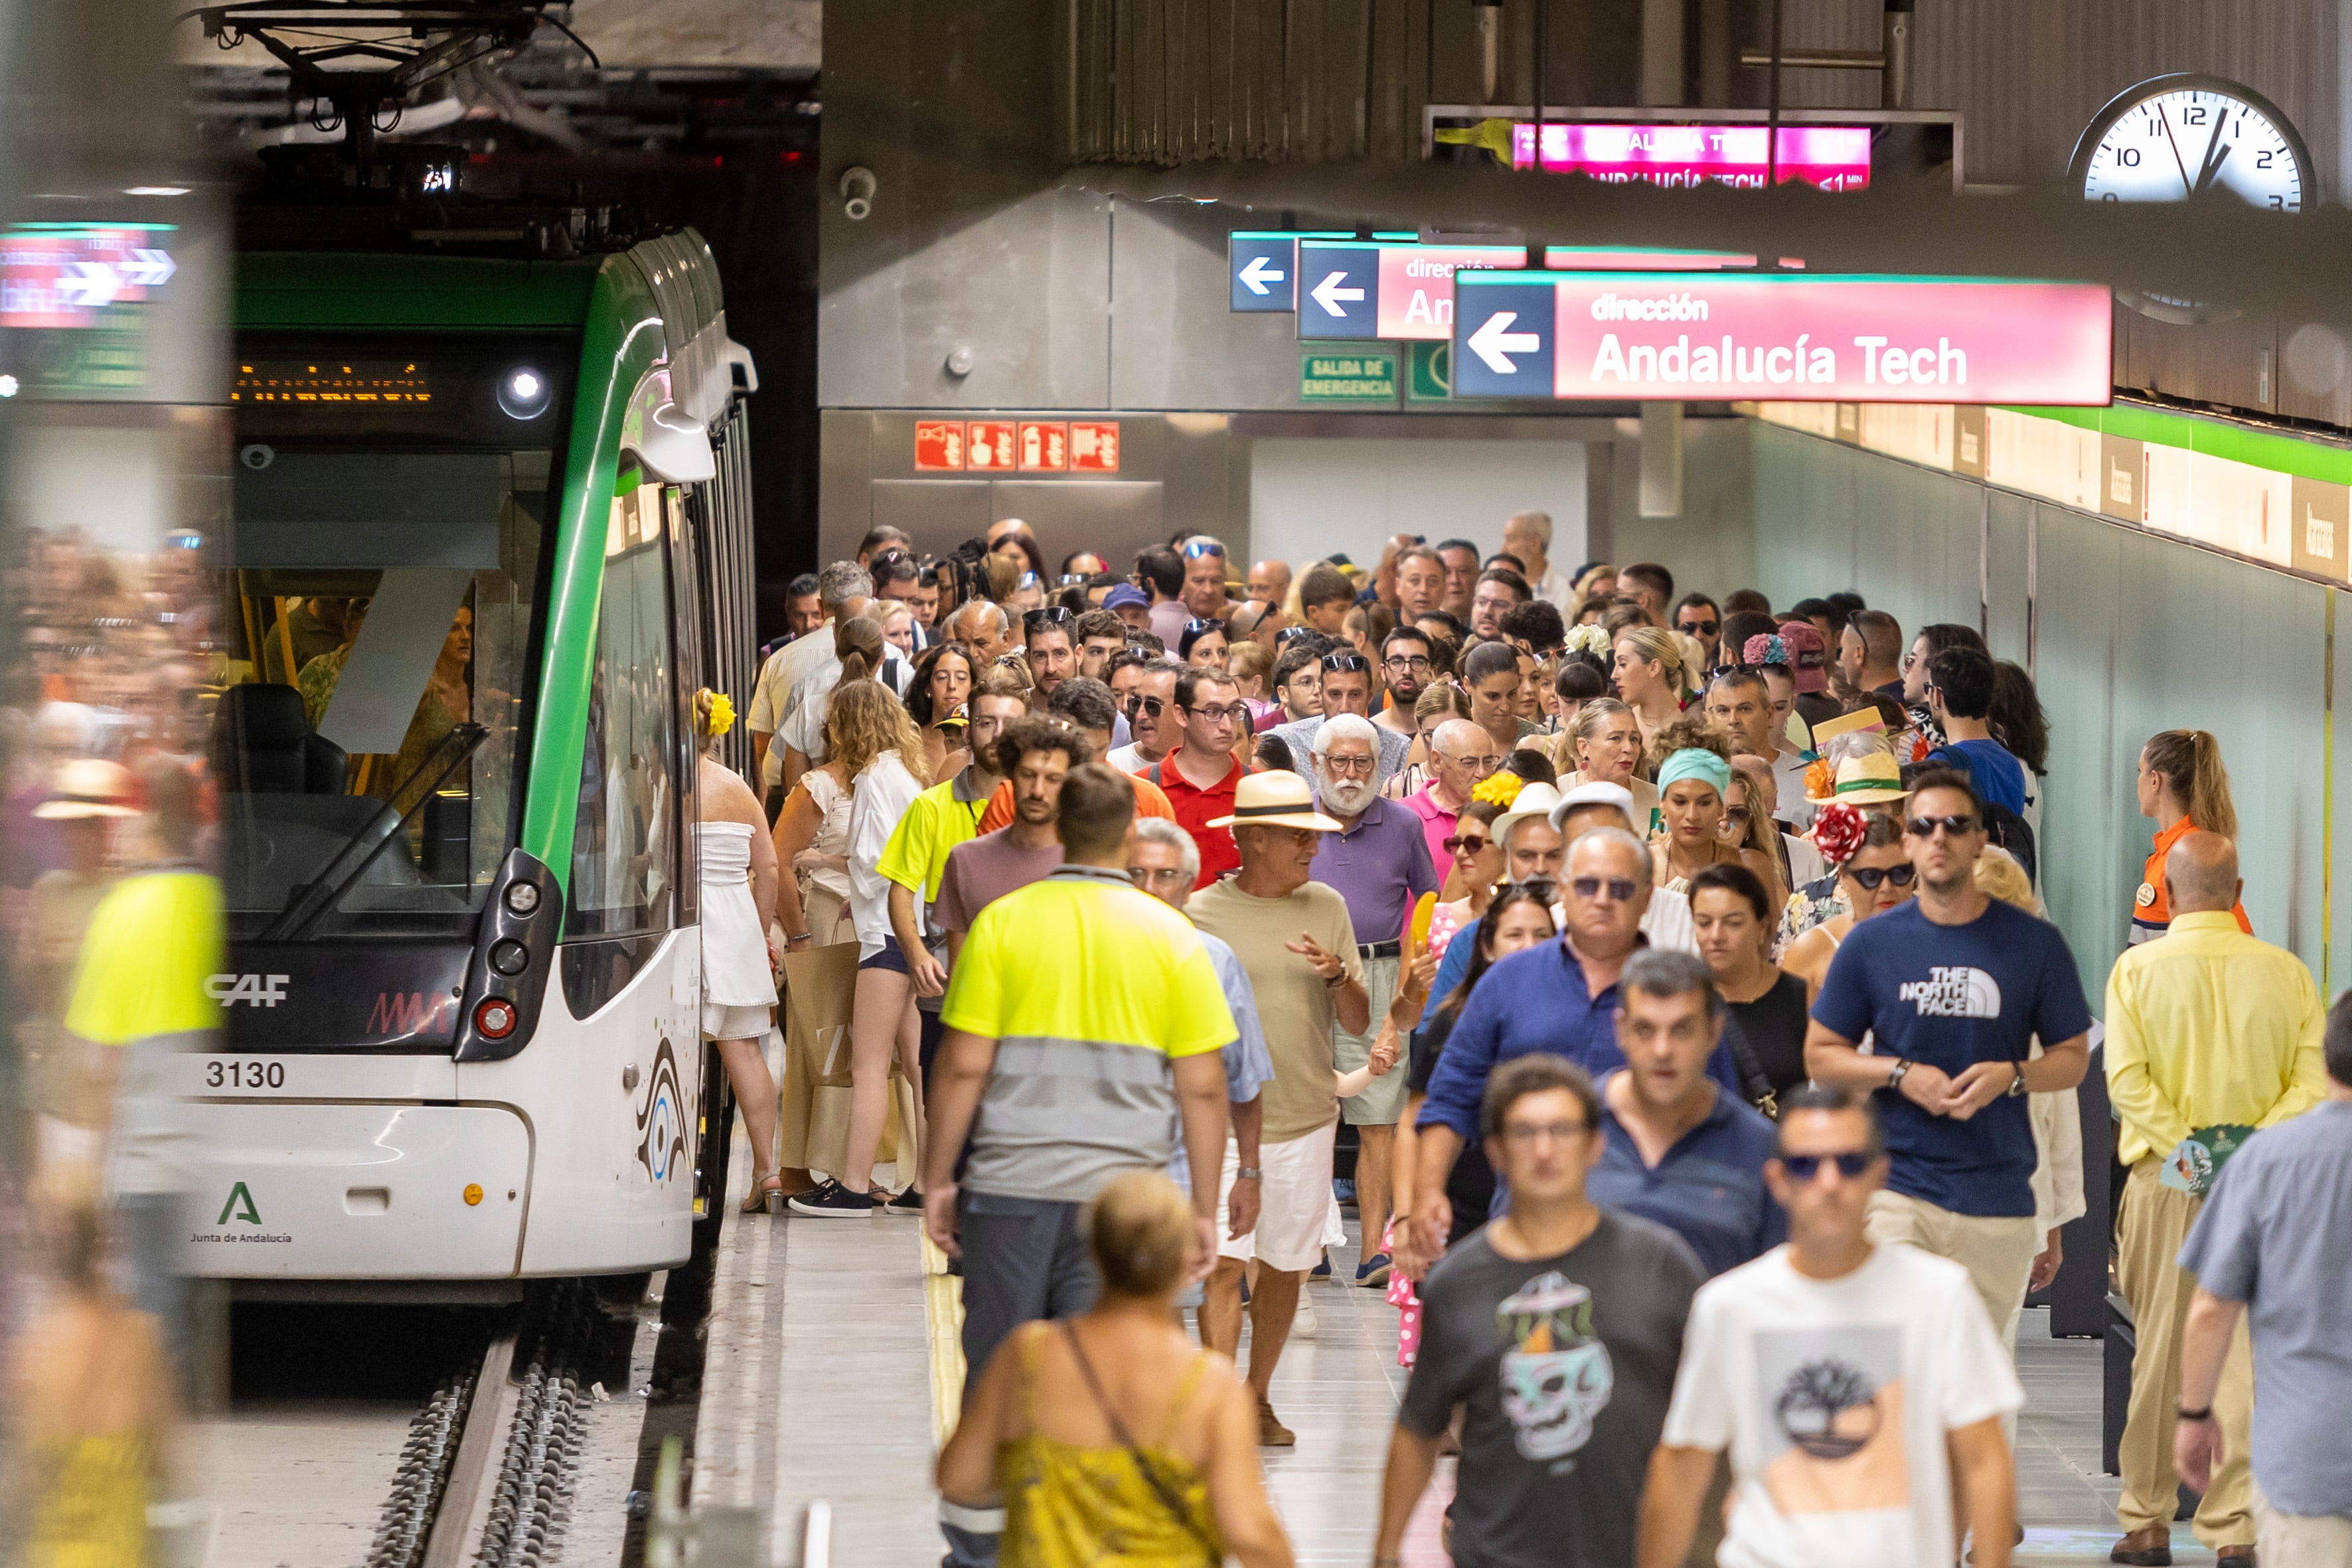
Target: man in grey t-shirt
[2274,1242]
[1558,1328]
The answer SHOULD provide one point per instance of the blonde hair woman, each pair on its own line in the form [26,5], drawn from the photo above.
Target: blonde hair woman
[871,734]
[1111,1436]
[1747,824]
[738,863]
[2183,785]
[1649,674]
[1606,747]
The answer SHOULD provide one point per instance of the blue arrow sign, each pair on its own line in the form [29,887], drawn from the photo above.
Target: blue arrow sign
[1503,335]
[1263,269]
[1339,288]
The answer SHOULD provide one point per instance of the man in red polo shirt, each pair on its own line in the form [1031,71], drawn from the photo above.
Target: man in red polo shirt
[1201,773]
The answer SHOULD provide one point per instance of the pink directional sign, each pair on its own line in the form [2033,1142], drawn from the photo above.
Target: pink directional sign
[1832,339]
[1834,157]
[1416,283]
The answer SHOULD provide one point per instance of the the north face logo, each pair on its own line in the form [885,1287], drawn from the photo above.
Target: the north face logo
[1953,991]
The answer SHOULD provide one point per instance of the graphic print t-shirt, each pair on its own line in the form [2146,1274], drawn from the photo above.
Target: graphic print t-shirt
[1833,1396]
[1564,1366]
[1952,997]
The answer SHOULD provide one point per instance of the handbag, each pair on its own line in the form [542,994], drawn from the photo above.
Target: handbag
[820,986]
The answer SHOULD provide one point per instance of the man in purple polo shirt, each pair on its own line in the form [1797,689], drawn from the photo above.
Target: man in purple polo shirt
[1380,862]
[1460,756]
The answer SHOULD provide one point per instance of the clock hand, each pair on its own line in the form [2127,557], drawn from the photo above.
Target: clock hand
[2210,163]
[2165,120]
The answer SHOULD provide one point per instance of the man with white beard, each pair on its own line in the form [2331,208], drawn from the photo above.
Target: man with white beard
[1380,862]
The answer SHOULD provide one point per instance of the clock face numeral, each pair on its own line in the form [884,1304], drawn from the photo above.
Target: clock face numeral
[2191,140]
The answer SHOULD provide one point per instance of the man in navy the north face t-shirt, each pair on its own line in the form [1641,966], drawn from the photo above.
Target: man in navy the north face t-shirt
[1952,988]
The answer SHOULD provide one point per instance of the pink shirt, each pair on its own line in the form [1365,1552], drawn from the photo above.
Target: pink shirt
[1436,825]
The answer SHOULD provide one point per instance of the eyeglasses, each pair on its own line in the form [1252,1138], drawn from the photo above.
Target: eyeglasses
[1461,844]
[1346,663]
[1527,1135]
[1408,662]
[1485,764]
[1699,628]
[1345,766]
[1218,713]
[1620,889]
[1143,877]
[1871,875]
[1051,616]
[1959,825]
[1196,548]
[1150,707]
[1850,1164]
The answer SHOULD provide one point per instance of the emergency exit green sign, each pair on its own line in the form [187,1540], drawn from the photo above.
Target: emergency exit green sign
[1354,374]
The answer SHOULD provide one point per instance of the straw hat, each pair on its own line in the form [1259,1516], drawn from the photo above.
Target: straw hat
[1865,780]
[1275,798]
[1537,799]
[88,786]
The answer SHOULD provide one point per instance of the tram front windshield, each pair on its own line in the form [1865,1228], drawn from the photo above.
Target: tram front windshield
[383,569]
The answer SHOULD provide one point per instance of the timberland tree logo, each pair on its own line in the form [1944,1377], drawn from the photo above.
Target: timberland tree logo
[1954,991]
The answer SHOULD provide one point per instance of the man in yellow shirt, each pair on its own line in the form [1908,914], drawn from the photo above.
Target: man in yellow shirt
[2210,1033]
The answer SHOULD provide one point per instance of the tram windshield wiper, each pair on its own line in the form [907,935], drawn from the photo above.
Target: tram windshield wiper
[308,904]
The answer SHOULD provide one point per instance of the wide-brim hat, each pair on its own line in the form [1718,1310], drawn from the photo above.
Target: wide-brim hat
[1275,798]
[1866,780]
[1537,799]
[86,787]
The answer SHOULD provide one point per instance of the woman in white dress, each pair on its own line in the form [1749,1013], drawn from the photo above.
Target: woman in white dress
[739,898]
[869,731]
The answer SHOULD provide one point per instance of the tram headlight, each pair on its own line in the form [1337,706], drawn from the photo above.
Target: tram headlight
[524,393]
[510,957]
[522,898]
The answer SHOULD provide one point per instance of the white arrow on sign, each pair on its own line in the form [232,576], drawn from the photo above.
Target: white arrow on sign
[1258,274]
[1491,343]
[148,269]
[88,284]
[1330,296]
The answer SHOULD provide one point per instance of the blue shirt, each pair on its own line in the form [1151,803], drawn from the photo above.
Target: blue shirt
[1952,997]
[1248,1066]
[1708,1188]
[2276,1233]
[1532,1001]
[1998,777]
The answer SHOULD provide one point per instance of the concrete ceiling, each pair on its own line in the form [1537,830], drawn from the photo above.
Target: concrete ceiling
[777,36]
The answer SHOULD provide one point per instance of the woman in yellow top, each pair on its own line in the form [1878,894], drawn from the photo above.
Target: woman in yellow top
[2183,785]
[1112,1439]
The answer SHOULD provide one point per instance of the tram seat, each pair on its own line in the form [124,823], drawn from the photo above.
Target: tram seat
[263,744]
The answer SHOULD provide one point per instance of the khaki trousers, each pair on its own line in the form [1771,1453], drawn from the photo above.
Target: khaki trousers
[1997,1252]
[2149,1230]
[2300,1540]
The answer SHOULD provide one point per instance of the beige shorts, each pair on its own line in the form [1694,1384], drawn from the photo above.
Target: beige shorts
[1293,1203]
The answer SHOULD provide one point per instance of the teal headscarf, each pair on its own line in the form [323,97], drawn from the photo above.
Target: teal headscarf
[1695,762]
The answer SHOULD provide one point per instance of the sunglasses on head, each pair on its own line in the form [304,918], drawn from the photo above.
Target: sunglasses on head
[1347,663]
[1871,875]
[1051,616]
[1201,629]
[1292,634]
[1196,548]
[1850,1164]
[1620,889]
[1958,825]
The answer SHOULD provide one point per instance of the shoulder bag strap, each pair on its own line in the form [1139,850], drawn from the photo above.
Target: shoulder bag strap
[1754,1081]
[1167,1494]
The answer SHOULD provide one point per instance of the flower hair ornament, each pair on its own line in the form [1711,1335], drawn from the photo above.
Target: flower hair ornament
[720,712]
[1500,787]
[1768,648]
[1588,639]
[1839,831]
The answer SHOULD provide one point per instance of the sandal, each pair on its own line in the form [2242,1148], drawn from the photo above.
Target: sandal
[765,1196]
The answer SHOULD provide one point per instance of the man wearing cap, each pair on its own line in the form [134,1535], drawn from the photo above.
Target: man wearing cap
[1296,940]
[1130,604]
[1347,688]
[1380,862]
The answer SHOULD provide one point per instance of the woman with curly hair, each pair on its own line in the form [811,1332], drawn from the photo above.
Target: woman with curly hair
[1873,876]
[871,734]
[1691,760]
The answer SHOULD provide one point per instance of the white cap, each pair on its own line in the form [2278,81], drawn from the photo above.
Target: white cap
[1598,792]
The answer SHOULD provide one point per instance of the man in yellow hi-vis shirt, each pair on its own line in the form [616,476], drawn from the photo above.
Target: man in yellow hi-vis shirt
[139,998]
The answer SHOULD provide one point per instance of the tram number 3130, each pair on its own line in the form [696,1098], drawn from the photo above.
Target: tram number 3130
[245,1074]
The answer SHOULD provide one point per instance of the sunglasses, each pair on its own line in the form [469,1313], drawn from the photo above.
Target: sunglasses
[1737,817]
[1620,889]
[1150,707]
[1201,629]
[1461,843]
[1196,548]
[1292,634]
[1700,628]
[1871,875]
[1051,616]
[1850,1164]
[1957,825]
[1346,663]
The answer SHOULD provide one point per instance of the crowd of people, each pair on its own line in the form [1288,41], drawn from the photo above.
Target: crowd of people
[1708,1175]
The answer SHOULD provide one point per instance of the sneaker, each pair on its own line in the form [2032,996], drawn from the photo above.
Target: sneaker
[1372,1274]
[1302,1322]
[909,1201]
[1271,1432]
[831,1200]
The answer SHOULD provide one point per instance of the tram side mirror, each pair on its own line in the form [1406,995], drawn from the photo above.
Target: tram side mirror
[858,189]
[673,447]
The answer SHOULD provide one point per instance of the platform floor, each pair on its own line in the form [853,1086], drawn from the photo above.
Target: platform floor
[828,1377]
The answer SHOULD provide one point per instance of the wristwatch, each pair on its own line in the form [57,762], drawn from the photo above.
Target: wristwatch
[1247,1174]
[2017,1084]
[1902,1066]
